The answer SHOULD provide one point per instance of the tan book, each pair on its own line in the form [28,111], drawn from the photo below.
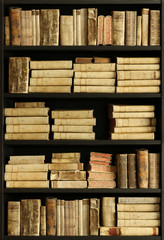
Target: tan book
[152,89]
[50,81]
[85,217]
[50,89]
[65,160]
[33,27]
[132,178]
[30,217]
[154,170]
[76,217]
[27,136]
[70,155]
[27,128]
[15,27]
[94,216]
[62,218]
[43,221]
[95,75]
[138,200]
[155,27]
[94,82]
[27,157]
[102,60]
[27,120]
[131,24]
[76,136]
[92,26]
[132,136]
[75,122]
[28,161]
[138,60]
[138,215]
[101,184]
[13,216]
[138,223]
[26,168]
[100,175]
[142,167]
[100,30]
[84,26]
[125,75]
[26,176]
[136,122]
[122,170]
[72,114]
[118,27]
[29,104]
[129,83]
[74,27]
[105,67]
[29,27]
[66,30]
[94,89]
[83,60]
[139,32]
[74,129]
[134,129]
[78,27]
[37,16]
[66,218]
[80,217]
[100,168]
[44,34]
[139,67]
[68,175]
[65,166]
[108,213]
[52,73]
[58,218]
[26,112]
[51,216]
[145,27]
[132,115]
[7,30]
[68,184]
[72,218]
[138,207]
[58,64]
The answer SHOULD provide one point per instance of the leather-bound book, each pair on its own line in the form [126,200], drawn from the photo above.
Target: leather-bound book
[51,216]
[15,28]
[118,28]
[131,24]
[122,170]
[155,27]
[145,27]
[13,218]
[142,168]
[94,216]
[66,30]
[132,170]
[154,170]
[7,30]
[92,26]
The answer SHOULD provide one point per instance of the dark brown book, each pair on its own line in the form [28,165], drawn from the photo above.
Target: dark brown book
[131,25]
[92,26]
[122,170]
[13,218]
[15,27]
[51,216]
[154,170]
[83,60]
[94,216]
[142,168]
[154,27]
[132,170]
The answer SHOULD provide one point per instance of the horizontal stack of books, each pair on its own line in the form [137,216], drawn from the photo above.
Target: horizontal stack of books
[138,75]
[73,124]
[100,173]
[51,76]
[26,172]
[27,121]
[66,171]
[139,121]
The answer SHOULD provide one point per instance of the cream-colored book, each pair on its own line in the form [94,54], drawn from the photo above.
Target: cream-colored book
[26,112]
[52,73]
[68,184]
[138,60]
[26,168]
[28,157]
[134,83]
[37,27]
[72,114]
[59,64]
[27,184]
[132,136]
[94,82]
[74,129]
[80,201]
[65,166]
[43,220]
[58,218]
[29,104]
[26,176]
[138,215]
[95,75]
[105,67]
[76,217]
[134,129]
[62,219]
[13,218]
[118,28]
[94,89]
[74,136]
[74,27]
[27,128]
[139,32]
[68,175]
[29,161]
[27,120]
[145,122]
[86,223]
[76,122]
[66,155]
[145,27]
[78,27]
[135,89]
[138,207]
[138,200]
[131,108]
[138,67]
[125,75]
[66,30]
[132,115]
[26,136]
[108,213]
[50,81]
[138,223]
[65,160]
[50,89]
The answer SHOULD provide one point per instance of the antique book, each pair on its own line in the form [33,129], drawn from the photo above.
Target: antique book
[152,89]
[29,104]
[33,27]
[94,89]
[29,27]
[75,122]
[30,217]
[95,75]
[58,218]
[125,75]
[86,216]
[37,18]
[27,120]
[138,60]
[138,223]
[154,28]
[26,168]
[65,166]
[101,184]
[98,154]
[132,182]
[72,230]
[62,218]
[139,32]
[18,74]
[83,60]
[66,30]
[108,30]
[100,175]
[92,26]
[13,216]
[26,176]
[122,175]
[100,30]
[66,218]
[43,221]
[131,114]
[15,25]
[26,111]
[132,136]
[68,175]
[108,213]
[154,170]
[100,168]
[27,136]
[76,217]
[138,200]
[100,162]
[27,184]
[101,60]
[27,128]
[7,30]
[52,73]
[78,27]
[143,168]
[80,201]
[50,89]
[26,161]
[138,215]
[105,67]
[138,207]
[74,27]
[145,27]
[68,184]
[66,155]
[94,82]
[134,129]
[65,160]
[131,24]
[134,83]
[58,64]
[94,216]
[51,216]
[72,114]
[118,27]
[139,67]
[84,26]
[74,129]
[50,81]
[23,28]
[130,122]
[28,157]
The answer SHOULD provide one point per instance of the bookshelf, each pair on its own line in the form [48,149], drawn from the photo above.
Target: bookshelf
[97,101]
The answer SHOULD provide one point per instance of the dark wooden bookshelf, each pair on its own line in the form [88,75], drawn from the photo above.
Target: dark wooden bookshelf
[82,237]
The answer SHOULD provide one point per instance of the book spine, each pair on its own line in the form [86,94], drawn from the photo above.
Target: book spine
[43,221]
[138,223]
[140,83]
[66,218]
[80,217]
[145,27]
[132,136]
[139,32]
[139,200]
[78,27]
[7,30]
[154,169]
[132,170]
[29,27]
[85,217]
[62,218]
[84,26]
[108,212]
[51,216]
[122,170]
[58,219]
[100,37]
[15,20]
[27,184]
[92,26]
[54,40]
[154,27]
[94,89]
[94,216]
[13,218]
[72,218]
[86,136]
[107,30]
[76,217]
[118,28]
[74,27]
[34,27]
[37,16]
[138,89]
[129,75]
[142,166]
[27,136]
[131,18]
[101,184]
[66,30]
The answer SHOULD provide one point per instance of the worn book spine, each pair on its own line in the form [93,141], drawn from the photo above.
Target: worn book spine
[27,136]
[29,104]
[54,28]
[131,23]
[108,30]
[139,200]
[83,60]
[59,64]
[66,155]
[27,120]
[27,128]
[138,207]
[43,221]
[13,216]
[100,176]
[66,128]
[138,223]
[68,184]
[51,216]
[66,218]
[100,168]
[15,27]
[29,27]
[154,170]
[138,215]
[26,168]
[33,27]
[74,27]
[94,89]
[133,129]
[74,122]
[65,160]
[37,19]
[132,170]
[50,89]
[100,32]
[65,166]
[106,67]
[152,89]
[122,180]
[138,60]
[101,184]
[27,184]
[76,217]
[94,216]
[78,27]
[131,108]
[72,219]
[26,176]
[52,73]
[66,30]
[133,83]
[139,32]
[50,81]
[130,122]
[27,157]
[138,67]
[100,162]
[132,115]
[118,28]
[96,82]
[97,154]
[68,175]
[132,136]
[100,159]
[142,166]
[84,26]
[62,218]
[7,30]
[86,220]
[92,26]
[125,75]
[145,27]
[89,136]
[58,218]
[26,112]
[108,212]
[154,27]
[44,34]
[101,60]
[80,217]
[95,75]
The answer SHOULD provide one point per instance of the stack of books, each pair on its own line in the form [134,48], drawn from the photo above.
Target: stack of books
[100,173]
[27,121]
[51,76]
[26,172]
[132,122]
[73,124]
[66,171]
[138,75]
[94,77]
